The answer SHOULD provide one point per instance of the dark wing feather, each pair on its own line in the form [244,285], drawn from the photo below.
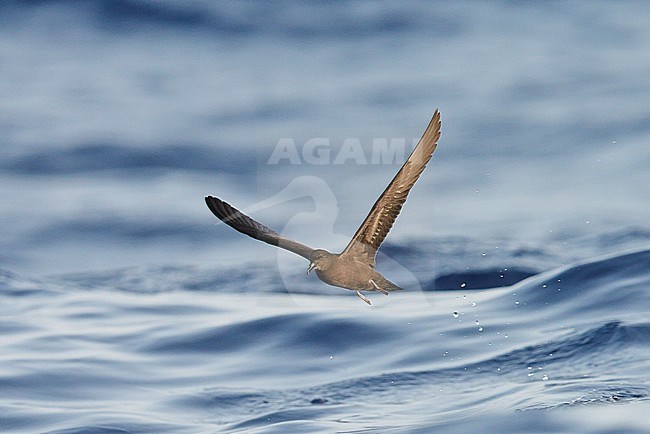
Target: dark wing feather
[365,243]
[246,225]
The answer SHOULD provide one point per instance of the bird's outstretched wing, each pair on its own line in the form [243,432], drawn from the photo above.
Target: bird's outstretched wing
[246,225]
[365,243]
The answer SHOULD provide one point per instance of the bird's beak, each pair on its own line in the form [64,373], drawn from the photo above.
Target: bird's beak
[311,267]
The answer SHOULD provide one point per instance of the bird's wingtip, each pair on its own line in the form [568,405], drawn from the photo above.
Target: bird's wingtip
[212,202]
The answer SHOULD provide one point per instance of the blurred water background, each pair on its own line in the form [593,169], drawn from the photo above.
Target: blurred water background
[126,307]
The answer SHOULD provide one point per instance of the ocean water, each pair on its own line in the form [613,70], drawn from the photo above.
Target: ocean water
[125,306]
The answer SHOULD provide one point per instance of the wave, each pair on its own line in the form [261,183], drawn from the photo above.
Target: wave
[91,158]
[596,285]
[272,364]
[601,282]
[483,279]
[308,20]
[569,355]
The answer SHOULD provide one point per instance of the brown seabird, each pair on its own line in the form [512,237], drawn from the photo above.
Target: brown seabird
[354,267]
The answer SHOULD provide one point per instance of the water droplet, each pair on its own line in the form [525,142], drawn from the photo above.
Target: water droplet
[462,285]
[505,336]
[530,367]
[516,302]
[480,329]
[544,286]
[331,357]
[501,276]
[545,377]
[559,289]
[530,374]
[455,314]
[483,254]
[473,303]
[587,221]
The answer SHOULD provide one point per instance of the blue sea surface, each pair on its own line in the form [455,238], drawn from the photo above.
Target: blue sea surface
[125,306]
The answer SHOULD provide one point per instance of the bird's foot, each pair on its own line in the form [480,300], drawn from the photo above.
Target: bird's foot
[362,297]
[383,291]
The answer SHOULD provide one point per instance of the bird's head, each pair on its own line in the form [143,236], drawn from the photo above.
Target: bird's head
[318,259]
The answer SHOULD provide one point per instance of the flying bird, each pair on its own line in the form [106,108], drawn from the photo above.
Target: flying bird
[354,267]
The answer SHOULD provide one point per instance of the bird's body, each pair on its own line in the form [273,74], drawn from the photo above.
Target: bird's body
[338,270]
[354,267]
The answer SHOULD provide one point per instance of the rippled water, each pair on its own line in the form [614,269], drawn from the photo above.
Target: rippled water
[524,247]
[83,354]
